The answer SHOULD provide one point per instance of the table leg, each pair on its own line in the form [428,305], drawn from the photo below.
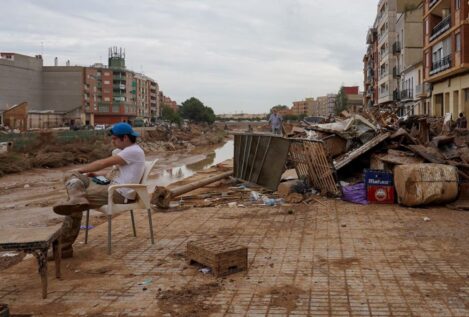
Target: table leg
[41,256]
[57,250]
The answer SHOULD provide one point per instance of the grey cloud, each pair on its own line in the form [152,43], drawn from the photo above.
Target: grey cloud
[233,55]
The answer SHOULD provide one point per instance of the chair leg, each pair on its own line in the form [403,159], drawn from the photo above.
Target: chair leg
[150,222]
[87,224]
[109,225]
[133,222]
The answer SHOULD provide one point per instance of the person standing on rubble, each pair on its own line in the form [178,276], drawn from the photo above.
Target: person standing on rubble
[83,194]
[275,121]
[461,122]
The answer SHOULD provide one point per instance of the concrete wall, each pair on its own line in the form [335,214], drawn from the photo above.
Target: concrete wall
[21,81]
[411,38]
[63,87]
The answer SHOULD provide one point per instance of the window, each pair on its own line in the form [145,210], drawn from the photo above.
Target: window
[458,4]
[458,42]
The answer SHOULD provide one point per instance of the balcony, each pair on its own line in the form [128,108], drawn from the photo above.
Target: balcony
[441,65]
[422,90]
[395,72]
[407,94]
[119,77]
[441,28]
[395,95]
[432,3]
[396,48]
[118,86]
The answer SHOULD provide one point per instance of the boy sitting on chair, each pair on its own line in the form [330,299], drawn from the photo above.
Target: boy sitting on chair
[84,194]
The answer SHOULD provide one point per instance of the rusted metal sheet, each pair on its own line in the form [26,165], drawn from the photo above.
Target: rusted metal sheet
[352,155]
[260,158]
[311,161]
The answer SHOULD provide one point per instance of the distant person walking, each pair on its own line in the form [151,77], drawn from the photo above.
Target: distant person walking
[275,121]
[461,122]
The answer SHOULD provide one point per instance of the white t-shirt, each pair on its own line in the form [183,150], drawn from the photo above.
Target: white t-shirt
[132,172]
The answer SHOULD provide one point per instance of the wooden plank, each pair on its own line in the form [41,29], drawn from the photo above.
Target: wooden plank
[352,155]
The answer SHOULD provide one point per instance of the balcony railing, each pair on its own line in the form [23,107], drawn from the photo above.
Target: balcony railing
[396,48]
[441,27]
[407,94]
[441,65]
[395,95]
[395,72]
[432,3]
[422,89]
[383,74]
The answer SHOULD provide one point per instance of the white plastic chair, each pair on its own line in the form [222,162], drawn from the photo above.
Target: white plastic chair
[143,191]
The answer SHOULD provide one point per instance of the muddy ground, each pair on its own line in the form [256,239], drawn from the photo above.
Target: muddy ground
[48,150]
[318,259]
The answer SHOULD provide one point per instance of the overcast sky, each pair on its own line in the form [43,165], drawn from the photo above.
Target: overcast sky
[235,56]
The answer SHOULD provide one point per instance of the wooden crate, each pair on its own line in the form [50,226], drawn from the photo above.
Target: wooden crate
[222,256]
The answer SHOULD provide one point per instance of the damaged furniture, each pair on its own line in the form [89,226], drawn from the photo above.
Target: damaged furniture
[143,190]
[35,241]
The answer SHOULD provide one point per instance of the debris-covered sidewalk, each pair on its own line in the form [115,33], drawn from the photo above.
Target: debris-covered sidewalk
[329,259]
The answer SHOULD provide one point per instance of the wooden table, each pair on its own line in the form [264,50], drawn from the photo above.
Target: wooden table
[35,240]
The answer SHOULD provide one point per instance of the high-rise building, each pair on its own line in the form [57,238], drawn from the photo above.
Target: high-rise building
[387,70]
[370,69]
[408,52]
[446,56]
[102,94]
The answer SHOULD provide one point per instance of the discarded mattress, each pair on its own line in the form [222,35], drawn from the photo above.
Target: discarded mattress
[421,184]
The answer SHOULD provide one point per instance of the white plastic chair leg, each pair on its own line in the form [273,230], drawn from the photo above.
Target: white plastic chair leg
[109,226]
[150,222]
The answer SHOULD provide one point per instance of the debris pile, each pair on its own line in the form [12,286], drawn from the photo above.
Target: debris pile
[334,154]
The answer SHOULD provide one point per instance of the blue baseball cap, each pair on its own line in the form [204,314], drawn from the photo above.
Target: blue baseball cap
[123,128]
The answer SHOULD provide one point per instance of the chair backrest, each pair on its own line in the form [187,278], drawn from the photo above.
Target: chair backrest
[148,167]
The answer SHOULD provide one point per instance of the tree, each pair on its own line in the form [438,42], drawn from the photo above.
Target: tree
[341,101]
[170,115]
[279,107]
[194,110]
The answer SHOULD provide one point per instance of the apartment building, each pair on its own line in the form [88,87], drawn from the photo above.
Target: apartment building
[446,55]
[330,104]
[299,108]
[386,30]
[102,94]
[166,101]
[370,67]
[409,59]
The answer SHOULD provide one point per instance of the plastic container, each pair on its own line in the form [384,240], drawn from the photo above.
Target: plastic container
[378,194]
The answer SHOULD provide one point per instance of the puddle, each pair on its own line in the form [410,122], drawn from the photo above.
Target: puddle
[197,163]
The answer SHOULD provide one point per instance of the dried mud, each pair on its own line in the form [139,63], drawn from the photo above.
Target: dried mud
[191,301]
